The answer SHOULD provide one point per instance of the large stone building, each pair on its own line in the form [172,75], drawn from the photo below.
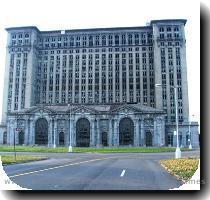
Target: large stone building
[97,87]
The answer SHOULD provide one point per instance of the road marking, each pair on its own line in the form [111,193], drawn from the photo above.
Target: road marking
[123,172]
[61,166]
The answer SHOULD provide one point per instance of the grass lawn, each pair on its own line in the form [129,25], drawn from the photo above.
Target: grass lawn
[8,148]
[183,168]
[10,159]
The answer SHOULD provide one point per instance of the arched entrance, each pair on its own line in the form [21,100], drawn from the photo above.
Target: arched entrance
[5,138]
[61,138]
[21,137]
[104,139]
[148,138]
[41,132]
[83,133]
[126,132]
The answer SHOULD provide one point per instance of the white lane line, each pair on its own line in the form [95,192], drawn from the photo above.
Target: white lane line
[61,166]
[122,174]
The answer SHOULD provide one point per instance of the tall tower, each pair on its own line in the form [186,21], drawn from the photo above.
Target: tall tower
[170,67]
[19,81]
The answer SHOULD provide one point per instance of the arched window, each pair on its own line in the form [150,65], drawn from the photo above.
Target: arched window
[41,132]
[82,133]
[126,132]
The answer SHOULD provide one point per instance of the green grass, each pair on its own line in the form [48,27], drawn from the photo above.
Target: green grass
[183,168]
[10,159]
[7,148]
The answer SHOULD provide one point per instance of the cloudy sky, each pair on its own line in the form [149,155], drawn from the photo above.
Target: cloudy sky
[71,14]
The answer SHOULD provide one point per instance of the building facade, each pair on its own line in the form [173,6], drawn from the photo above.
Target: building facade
[93,87]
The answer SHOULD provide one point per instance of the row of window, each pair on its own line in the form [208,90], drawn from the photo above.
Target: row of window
[169,29]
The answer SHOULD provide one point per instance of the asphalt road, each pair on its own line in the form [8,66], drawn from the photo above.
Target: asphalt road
[93,171]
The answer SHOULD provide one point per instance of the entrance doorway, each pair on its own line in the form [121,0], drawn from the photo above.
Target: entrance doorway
[104,139]
[148,138]
[41,132]
[83,133]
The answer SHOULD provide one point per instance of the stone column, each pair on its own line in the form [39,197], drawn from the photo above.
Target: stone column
[55,133]
[8,132]
[116,139]
[32,132]
[162,132]
[136,136]
[73,132]
[98,133]
[26,135]
[142,138]
[155,140]
[50,132]
[93,132]
[110,136]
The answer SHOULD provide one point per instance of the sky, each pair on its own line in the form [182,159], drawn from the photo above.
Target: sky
[79,14]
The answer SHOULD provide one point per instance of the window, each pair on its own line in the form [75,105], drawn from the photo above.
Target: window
[116,39]
[103,40]
[161,29]
[129,39]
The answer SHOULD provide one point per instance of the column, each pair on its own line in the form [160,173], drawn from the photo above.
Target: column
[162,132]
[73,132]
[156,133]
[8,132]
[136,136]
[26,141]
[142,138]
[55,133]
[50,132]
[98,133]
[93,132]
[116,139]
[32,132]
[110,136]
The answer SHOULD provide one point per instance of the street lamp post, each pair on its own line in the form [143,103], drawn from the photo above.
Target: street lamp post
[54,141]
[178,151]
[70,147]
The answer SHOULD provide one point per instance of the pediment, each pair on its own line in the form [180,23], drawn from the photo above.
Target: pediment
[40,110]
[136,108]
[82,109]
